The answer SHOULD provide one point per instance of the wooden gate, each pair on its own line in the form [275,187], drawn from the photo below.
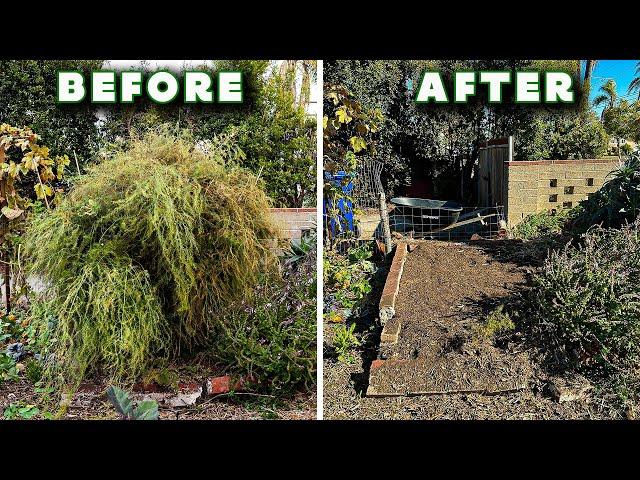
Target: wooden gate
[491,171]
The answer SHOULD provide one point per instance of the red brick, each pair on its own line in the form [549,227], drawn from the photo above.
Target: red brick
[376,364]
[219,385]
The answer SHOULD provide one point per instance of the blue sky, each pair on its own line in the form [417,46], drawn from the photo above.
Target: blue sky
[622,71]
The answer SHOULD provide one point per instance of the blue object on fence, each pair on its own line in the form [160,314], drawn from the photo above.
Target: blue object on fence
[345,206]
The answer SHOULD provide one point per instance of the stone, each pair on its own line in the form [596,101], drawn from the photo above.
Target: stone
[569,389]
[188,395]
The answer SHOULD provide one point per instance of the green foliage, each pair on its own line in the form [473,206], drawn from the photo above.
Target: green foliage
[586,300]
[28,97]
[347,281]
[622,120]
[618,200]
[271,339]
[440,143]
[33,370]
[561,136]
[344,340]
[20,410]
[124,405]
[145,252]
[498,322]
[276,135]
[8,370]
[542,224]
[280,145]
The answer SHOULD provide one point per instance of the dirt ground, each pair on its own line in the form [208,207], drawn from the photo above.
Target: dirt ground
[446,292]
[90,403]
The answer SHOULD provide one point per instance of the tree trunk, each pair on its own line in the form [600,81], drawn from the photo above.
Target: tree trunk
[586,84]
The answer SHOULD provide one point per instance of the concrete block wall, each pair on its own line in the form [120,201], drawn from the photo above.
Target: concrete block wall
[294,221]
[545,185]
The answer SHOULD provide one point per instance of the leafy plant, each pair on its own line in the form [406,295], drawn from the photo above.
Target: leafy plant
[8,370]
[298,250]
[343,341]
[347,280]
[20,410]
[618,200]
[128,410]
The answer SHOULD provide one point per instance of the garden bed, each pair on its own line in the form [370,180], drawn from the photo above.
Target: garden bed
[444,365]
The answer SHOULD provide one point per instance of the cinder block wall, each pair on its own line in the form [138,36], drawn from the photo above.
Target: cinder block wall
[294,221]
[545,185]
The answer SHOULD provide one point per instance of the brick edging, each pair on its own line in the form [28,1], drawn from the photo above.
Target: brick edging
[294,210]
[391,330]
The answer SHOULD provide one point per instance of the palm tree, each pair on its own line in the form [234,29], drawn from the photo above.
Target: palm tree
[590,65]
[608,96]
[634,86]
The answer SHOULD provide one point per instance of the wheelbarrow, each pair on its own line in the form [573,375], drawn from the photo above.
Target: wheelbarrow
[426,218]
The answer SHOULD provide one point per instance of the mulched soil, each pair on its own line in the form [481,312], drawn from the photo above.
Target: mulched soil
[446,292]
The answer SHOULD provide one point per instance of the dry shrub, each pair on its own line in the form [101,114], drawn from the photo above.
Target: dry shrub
[146,252]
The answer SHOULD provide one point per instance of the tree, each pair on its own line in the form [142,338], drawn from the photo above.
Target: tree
[608,96]
[270,127]
[621,121]
[28,98]
[634,86]
[433,149]
[586,83]
[303,71]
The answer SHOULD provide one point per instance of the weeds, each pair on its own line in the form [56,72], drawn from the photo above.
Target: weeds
[543,224]
[497,323]
[344,340]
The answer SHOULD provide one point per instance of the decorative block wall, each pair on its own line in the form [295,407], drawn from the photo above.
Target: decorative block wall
[294,221]
[537,186]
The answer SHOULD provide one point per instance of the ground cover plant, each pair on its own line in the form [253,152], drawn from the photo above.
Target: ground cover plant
[271,340]
[144,254]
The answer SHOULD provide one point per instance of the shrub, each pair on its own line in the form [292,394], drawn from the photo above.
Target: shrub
[272,339]
[145,253]
[542,224]
[617,202]
[586,300]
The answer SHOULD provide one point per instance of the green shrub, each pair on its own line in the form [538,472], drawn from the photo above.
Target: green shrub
[617,202]
[586,300]
[542,224]
[272,340]
[497,323]
[145,253]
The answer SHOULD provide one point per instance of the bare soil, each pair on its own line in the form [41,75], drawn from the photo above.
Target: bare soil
[442,367]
